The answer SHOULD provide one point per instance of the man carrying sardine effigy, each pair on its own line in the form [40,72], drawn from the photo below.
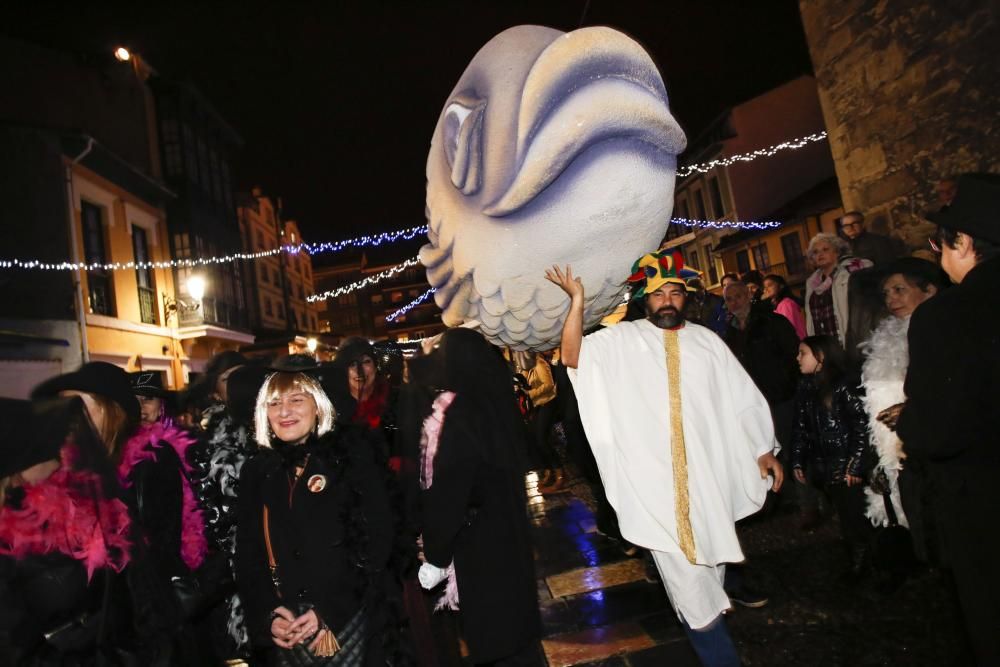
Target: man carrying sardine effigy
[682,436]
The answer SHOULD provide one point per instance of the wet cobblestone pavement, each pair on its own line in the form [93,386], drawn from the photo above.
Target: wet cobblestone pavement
[600,607]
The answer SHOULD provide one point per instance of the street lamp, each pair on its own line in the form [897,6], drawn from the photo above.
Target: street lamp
[311,343]
[196,287]
[122,54]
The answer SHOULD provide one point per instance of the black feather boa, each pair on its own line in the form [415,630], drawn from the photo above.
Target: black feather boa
[216,462]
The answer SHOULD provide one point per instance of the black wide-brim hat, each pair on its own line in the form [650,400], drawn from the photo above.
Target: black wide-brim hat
[95,377]
[35,431]
[912,267]
[295,363]
[975,209]
[149,383]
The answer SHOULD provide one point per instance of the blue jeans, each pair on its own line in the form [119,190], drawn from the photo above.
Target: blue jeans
[713,644]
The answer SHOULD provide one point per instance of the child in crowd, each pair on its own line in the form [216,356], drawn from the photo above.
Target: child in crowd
[831,438]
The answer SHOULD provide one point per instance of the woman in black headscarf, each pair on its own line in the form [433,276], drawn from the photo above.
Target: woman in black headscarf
[475,525]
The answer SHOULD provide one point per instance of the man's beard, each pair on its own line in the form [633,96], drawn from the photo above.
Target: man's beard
[667,317]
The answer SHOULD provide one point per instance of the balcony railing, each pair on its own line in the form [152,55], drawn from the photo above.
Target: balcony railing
[147,305]
[100,294]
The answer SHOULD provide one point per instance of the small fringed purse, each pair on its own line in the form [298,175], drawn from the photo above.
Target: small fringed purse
[348,651]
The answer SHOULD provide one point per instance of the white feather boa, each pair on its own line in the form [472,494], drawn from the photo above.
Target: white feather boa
[886,358]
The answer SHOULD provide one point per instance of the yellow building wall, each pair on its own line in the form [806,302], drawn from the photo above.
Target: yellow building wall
[115,341]
[116,204]
[118,242]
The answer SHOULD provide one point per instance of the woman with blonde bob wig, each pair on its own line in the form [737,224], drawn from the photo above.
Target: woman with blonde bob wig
[314,532]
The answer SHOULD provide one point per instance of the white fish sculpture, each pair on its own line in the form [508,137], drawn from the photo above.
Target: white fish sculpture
[553,148]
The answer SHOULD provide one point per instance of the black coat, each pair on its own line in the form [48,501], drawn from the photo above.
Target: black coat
[155,501]
[830,442]
[953,380]
[950,427]
[41,593]
[767,349]
[331,546]
[475,513]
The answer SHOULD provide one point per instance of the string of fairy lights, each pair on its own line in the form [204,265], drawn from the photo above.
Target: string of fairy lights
[705,167]
[311,248]
[726,224]
[370,280]
[292,249]
[411,305]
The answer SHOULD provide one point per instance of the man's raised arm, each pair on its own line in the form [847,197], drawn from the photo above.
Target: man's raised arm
[572,332]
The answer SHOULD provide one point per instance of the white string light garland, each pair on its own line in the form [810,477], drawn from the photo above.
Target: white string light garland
[370,280]
[726,224]
[413,304]
[705,167]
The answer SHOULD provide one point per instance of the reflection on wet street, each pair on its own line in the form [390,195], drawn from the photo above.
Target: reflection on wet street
[601,607]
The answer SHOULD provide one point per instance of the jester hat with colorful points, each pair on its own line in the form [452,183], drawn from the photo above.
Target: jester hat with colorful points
[655,269]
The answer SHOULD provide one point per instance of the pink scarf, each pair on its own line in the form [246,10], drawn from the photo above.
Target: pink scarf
[142,447]
[818,283]
[67,513]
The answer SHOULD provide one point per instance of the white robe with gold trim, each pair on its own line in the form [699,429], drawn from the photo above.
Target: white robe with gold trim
[621,386]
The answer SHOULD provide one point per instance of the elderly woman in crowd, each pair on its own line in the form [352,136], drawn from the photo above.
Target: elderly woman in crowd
[906,283]
[827,307]
[315,531]
[64,538]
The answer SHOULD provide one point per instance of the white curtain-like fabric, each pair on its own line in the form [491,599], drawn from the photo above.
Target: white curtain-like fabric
[621,386]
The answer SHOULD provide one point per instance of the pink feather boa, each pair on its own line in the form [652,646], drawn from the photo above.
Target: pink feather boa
[431,435]
[142,447]
[60,515]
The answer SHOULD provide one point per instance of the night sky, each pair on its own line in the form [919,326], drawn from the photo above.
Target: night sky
[337,101]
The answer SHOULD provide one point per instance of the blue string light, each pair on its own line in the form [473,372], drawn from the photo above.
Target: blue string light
[405,309]
[311,248]
[361,242]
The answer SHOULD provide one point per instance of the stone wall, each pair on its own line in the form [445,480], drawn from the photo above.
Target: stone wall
[910,95]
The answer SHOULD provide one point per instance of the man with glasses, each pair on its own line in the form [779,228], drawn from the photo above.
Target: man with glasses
[950,422]
[865,244]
